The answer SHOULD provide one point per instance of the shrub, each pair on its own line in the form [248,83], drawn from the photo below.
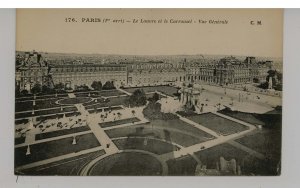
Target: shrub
[138,98]
[153,111]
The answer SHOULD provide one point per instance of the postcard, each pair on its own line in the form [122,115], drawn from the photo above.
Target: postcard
[148,92]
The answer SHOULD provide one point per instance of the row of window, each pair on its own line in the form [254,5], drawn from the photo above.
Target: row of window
[91,69]
[155,66]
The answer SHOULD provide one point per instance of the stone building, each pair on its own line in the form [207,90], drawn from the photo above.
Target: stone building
[155,73]
[229,70]
[84,74]
[31,69]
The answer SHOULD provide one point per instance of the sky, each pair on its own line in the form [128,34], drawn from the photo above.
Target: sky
[46,30]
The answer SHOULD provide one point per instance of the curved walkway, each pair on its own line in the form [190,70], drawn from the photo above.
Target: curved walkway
[87,169]
[159,139]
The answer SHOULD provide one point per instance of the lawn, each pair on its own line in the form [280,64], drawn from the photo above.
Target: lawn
[46,96]
[61,132]
[127,164]
[54,148]
[119,122]
[77,100]
[45,112]
[172,130]
[23,106]
[99,100]
[168,90]
[151,145]
[103,93]
[106,109]
[21,121]
[211,156]
[54,116]
[52,96]
[185,165]
[266,141]
[247,117]
[39,104]
[71,114]
[19,140]
[271,119]
[117,101]
[217,123]
[67,167]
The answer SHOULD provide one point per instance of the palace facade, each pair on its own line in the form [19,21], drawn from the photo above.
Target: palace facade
[229,70]
[84,74]
[32,68]
[155,73]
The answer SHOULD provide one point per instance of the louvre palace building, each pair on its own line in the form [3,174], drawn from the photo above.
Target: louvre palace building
[33,67]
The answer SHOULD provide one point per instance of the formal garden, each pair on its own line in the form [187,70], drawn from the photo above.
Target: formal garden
[139,142]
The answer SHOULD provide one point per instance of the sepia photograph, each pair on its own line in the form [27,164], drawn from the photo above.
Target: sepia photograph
[148,92]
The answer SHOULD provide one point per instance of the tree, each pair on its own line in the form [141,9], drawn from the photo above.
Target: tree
[156,97]
[153,111]
[17,90]
[133,112]
[59,86]
[102,117]
[201,109]
[119,115]
[264,85]
[97,85]
[85,87]
[37,88]
[255,80]
[24,92]
[108,85]
[276,79]
[193,108]
[46,89]
[138,98]
[279,76]
[82,88]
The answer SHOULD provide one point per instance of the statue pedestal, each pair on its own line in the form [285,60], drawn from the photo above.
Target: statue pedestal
[74,141]
[28,150]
